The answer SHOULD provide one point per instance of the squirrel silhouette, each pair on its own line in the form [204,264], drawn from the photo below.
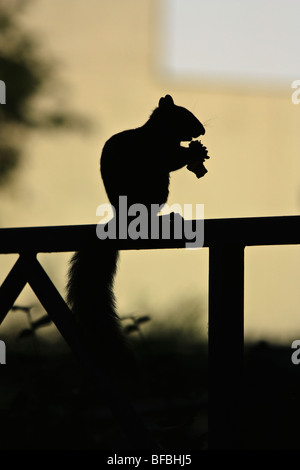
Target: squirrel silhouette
[134,163]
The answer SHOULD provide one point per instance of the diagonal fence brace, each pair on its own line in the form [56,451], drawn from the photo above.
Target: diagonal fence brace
[11,287]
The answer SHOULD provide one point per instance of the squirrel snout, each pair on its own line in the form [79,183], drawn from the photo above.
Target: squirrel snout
[201,130]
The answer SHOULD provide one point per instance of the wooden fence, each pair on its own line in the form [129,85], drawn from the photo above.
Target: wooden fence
[226,240]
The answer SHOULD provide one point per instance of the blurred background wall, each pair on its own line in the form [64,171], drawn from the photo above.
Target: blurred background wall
[113,60]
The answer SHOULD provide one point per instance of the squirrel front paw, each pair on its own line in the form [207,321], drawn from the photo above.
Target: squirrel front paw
[197,150]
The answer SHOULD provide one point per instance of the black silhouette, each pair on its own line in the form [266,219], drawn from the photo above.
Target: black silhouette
[135,163]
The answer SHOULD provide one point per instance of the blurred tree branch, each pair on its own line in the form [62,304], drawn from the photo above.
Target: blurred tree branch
[27,75]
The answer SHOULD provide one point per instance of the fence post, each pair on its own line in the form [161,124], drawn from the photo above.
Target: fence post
[226,345]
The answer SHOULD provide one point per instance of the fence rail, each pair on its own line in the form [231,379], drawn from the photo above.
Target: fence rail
[226,240]
[245,231]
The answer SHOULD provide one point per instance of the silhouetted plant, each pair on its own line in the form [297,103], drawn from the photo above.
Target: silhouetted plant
[34,325]
[26,73]
[135,323]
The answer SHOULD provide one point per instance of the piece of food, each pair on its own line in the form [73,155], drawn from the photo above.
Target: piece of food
[198,168]
[198,156]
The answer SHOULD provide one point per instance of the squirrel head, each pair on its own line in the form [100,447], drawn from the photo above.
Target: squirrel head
[176,121]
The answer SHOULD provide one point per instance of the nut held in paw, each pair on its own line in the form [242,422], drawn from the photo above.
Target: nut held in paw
[199,155]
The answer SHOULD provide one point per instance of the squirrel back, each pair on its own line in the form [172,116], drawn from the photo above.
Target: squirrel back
[135,163]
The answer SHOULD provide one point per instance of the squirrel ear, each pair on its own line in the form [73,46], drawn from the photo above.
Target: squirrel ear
[166,101]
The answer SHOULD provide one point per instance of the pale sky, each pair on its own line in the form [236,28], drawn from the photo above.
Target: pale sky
[253,42]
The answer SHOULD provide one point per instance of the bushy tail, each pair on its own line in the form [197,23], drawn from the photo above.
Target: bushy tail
[91,298]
